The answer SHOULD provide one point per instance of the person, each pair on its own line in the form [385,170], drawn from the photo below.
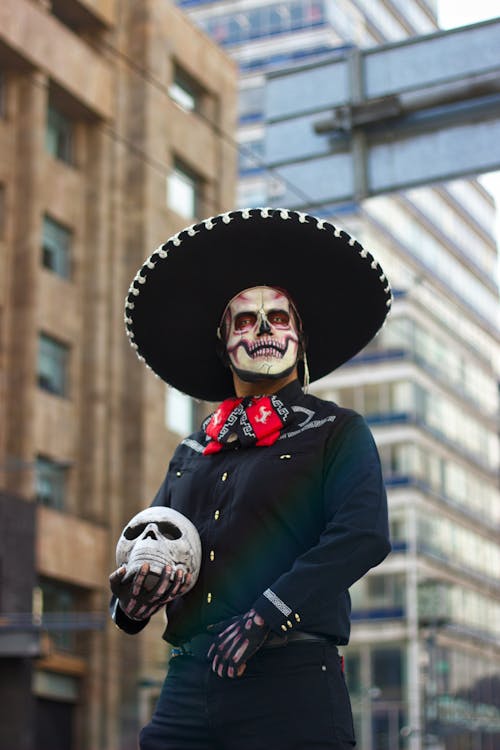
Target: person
[285,489]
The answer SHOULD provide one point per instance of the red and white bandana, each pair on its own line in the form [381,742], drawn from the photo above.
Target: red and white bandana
[242,422]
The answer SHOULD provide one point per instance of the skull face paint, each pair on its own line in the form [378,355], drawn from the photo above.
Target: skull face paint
[262,338]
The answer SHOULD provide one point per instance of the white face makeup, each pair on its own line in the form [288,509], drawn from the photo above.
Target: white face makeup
[262,339]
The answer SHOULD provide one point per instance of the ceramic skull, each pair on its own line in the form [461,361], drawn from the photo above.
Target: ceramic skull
[160,536]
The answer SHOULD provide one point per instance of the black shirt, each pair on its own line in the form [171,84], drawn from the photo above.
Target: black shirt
[285,528]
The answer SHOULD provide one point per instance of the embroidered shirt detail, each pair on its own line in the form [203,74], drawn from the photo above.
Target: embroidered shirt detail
[308,412]
[194,445]
[278,603]
[308,426]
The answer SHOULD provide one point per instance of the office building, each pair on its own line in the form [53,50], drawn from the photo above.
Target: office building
[111,117]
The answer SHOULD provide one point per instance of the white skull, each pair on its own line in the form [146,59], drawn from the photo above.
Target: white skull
[160,536]
[261,333]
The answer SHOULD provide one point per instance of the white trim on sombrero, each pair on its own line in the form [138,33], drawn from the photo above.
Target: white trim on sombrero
[140,281]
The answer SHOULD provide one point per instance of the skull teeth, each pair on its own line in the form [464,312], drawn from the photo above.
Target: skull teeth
[267,348]
[267,351]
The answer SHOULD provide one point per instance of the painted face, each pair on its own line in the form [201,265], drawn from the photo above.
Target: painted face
[262,339]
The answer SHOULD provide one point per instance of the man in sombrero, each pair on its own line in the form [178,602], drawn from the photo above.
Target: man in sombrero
[285,489]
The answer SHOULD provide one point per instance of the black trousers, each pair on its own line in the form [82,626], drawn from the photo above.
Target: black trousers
[290,697]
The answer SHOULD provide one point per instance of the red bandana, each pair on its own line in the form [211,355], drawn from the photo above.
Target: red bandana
[245,422]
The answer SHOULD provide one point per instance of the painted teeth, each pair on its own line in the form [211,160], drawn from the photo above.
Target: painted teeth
[267,345]
[267,350]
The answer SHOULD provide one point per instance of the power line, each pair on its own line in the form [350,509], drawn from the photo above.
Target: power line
[148,77]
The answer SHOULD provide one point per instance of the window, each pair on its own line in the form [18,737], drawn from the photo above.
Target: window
[3,95]
[59,135]
[56,247]
[251,102]
[2,211]
[53,361]
[179,412]
[61,602]
[387,671]
[183,191]
[185,91]
[50,482]
[251,155]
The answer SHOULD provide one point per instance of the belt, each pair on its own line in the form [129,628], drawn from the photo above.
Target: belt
[199,645]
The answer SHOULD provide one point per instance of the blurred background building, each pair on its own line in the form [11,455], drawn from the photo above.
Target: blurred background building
[111,117]
[423,665]
[116,129]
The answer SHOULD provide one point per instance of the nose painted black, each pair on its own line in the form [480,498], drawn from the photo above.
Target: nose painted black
[264,327]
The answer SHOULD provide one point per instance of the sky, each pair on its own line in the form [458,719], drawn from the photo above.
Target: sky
[453,13]
[462,12]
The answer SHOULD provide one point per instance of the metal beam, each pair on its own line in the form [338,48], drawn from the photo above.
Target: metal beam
[371,121]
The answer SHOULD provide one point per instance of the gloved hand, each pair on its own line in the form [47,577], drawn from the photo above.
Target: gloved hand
[237,640]
[143,594]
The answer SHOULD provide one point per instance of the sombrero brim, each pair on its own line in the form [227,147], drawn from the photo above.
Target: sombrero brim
[176,300]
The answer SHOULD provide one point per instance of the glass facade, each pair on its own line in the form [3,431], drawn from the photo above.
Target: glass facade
[454,543]
[458,484]
[464,707]
[443,603]
[436,258]
[379,595]
[407,401]
[265,20]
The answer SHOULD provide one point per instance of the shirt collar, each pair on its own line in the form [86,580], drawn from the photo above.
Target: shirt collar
[291,392]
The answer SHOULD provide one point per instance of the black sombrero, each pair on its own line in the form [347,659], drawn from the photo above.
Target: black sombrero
[177,298]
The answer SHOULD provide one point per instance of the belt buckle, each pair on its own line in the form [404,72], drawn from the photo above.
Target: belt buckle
[182,650]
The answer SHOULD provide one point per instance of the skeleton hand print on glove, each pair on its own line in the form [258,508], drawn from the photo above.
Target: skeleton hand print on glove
[144,593]
[236,641]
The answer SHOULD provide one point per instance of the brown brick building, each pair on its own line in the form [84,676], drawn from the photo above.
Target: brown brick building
[115,125]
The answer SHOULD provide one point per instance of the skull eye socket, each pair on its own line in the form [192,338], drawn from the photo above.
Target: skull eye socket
[132,532]
[169,530]
[244,321]
[278,318]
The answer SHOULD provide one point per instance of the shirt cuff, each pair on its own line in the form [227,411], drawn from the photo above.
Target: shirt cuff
[123,622]
[277,614]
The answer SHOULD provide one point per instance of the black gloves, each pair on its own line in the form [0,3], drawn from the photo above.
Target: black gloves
[143,594]
[236,641]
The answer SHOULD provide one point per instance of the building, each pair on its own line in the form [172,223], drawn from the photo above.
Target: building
[424,661]
[114,134]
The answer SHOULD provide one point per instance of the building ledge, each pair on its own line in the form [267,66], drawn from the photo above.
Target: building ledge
[25,29]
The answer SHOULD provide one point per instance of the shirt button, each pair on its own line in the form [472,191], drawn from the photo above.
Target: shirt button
[209,598]
[232,437]
[179,473]
[216,515]
[212,555]
[224,476]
